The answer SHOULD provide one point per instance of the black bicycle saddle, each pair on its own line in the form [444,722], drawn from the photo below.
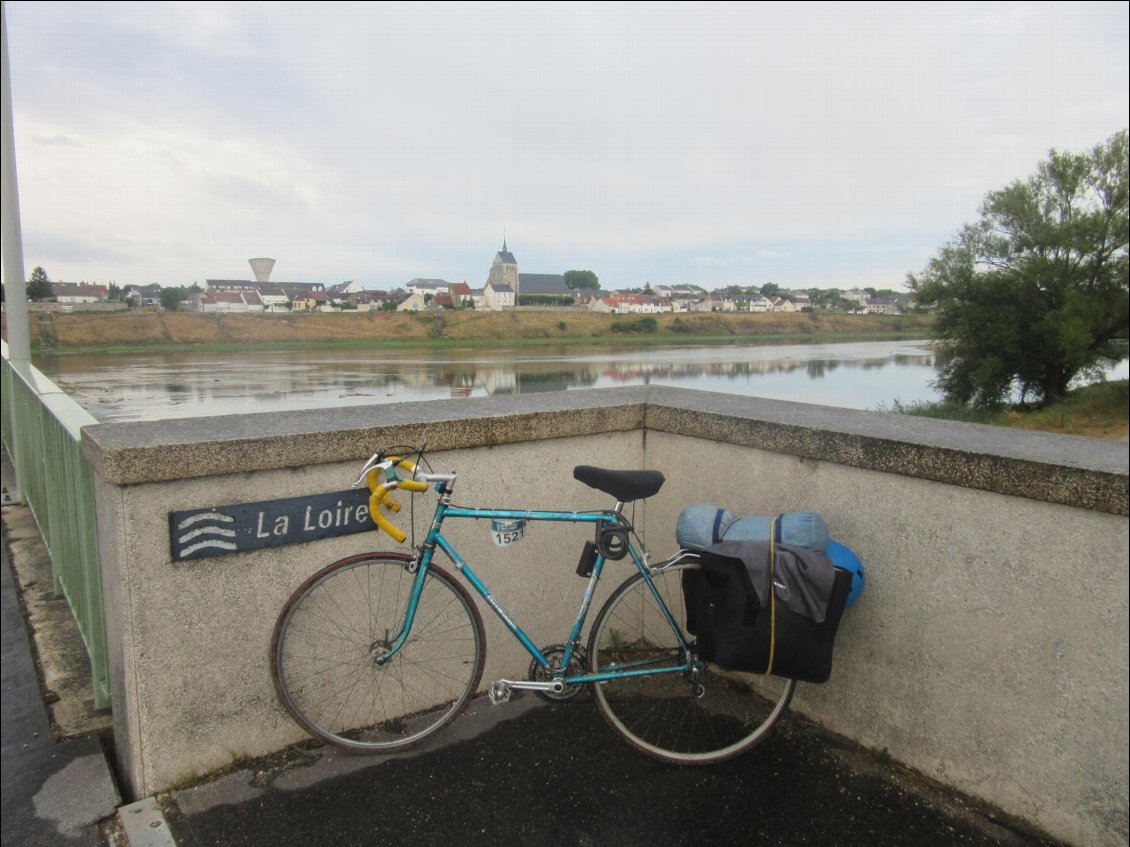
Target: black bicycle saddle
[625,486]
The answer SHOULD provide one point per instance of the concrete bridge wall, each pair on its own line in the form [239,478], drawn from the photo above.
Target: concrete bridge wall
[989,650]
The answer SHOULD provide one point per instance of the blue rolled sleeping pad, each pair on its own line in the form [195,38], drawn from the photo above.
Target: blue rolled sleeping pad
[701,525]
[801,529]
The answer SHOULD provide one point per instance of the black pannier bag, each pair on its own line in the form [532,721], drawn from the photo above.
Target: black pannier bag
[741,625]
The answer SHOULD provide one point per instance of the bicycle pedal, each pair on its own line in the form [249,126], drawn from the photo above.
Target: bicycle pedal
[499,692]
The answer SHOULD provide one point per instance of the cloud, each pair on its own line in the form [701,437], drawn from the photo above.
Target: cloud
[369,139]
[55,141]
[57,248]
[723,262]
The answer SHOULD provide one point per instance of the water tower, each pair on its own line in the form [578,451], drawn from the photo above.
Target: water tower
[262,269]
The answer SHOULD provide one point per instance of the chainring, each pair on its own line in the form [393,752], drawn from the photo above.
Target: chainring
[578,664]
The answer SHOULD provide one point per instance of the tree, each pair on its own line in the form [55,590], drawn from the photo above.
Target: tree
[39,286]
[770,289]
[171,298]
[1036,292]
[582,279]
[826,298]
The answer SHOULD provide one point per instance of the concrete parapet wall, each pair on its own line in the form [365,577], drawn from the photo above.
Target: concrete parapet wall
[194,636]
[989,650]
[989,647]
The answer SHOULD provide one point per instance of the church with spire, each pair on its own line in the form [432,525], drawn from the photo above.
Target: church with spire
[505,284]
[501,289]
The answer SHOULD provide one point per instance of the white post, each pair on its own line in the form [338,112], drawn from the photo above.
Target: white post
[11,246]
[15,292]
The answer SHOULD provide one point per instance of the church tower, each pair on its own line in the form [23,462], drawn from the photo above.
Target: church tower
[504,270]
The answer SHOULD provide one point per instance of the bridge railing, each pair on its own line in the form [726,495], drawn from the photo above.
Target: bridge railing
[42,429]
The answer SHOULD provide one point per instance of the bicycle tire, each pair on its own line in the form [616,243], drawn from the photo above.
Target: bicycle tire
[680,717]
[333,627]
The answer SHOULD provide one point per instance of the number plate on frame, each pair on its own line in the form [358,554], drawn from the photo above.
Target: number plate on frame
[506,533]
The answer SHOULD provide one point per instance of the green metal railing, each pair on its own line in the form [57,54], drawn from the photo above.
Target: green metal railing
[42,428]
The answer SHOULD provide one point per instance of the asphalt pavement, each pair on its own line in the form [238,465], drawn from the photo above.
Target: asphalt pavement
[54,793]
[530,773]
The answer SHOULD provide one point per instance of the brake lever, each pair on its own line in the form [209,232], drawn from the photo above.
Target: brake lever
[374,461]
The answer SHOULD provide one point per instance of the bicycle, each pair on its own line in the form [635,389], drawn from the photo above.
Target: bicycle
[378,651]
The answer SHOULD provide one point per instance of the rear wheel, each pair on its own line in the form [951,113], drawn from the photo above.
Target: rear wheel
[686,717]
[332,634]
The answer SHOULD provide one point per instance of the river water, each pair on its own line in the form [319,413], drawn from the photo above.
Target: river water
[155,386]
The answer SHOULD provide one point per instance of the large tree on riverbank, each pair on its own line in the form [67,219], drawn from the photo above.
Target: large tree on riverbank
[1036,291]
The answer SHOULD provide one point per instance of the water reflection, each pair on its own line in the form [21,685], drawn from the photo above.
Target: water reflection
[183,384]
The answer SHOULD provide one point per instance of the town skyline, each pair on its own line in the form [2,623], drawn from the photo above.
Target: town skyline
[409,284]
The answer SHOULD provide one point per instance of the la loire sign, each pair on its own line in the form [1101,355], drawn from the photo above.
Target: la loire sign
[221,530]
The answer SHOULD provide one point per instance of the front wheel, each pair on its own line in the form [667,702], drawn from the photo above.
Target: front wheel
[330,643]
[686,717]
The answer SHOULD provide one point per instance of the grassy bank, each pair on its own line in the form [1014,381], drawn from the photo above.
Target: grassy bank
[1099,411]
[138,330]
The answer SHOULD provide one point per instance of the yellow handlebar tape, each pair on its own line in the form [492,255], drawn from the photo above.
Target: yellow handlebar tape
[381,521]
[379,496]
[410,484]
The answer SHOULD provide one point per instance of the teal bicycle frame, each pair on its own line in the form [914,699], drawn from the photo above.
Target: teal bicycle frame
[376,651]
[435,539]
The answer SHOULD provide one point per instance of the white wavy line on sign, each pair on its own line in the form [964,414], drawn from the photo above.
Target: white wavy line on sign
[205,516]
[219,545]
[206,530]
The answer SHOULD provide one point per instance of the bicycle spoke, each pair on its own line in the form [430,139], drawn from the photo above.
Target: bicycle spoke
[331,638]
[692,717]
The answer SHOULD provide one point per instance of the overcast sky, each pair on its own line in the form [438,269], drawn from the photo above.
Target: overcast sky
[805,144]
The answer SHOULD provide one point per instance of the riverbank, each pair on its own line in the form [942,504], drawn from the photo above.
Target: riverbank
[140,330]
[1101,410]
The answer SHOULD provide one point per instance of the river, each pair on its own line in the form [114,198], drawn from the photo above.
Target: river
[156,385]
